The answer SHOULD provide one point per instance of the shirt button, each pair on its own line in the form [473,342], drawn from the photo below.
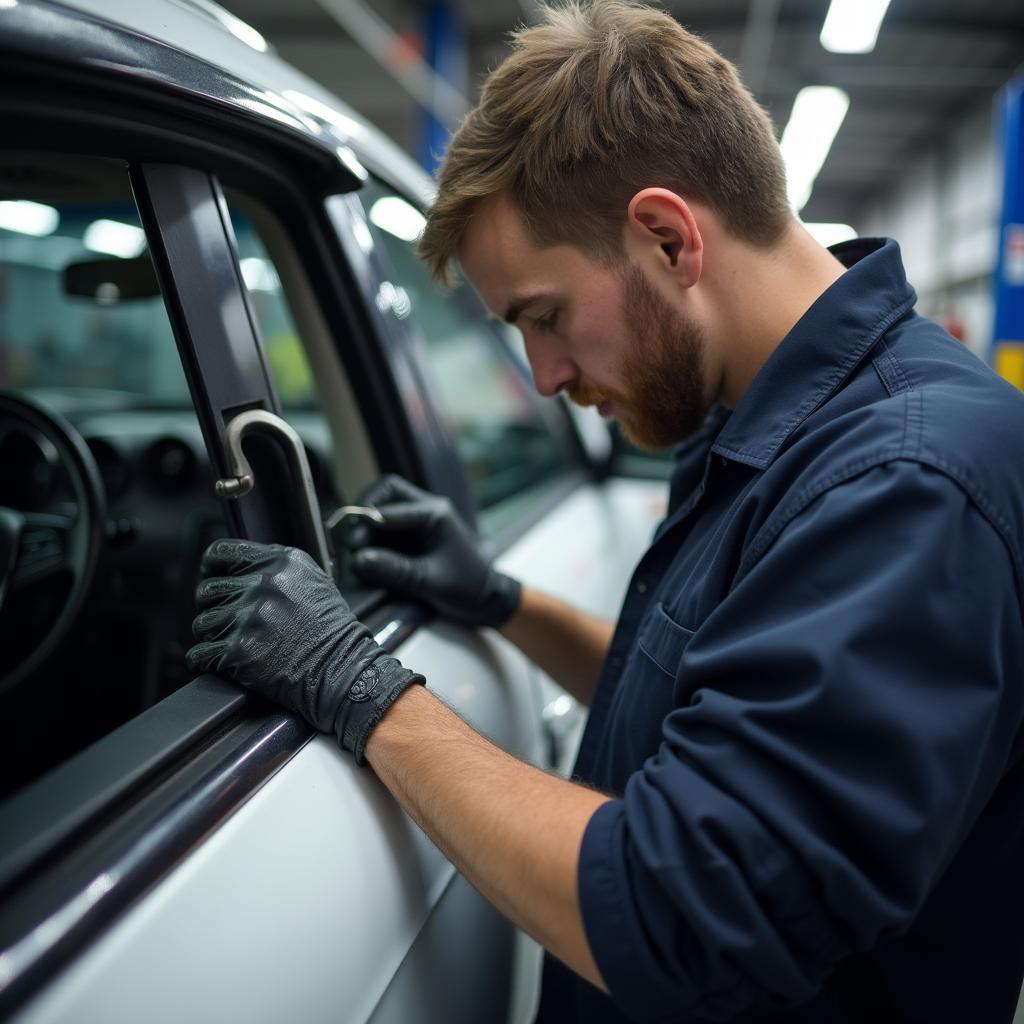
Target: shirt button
[725,461]
[641,586]
[615,661]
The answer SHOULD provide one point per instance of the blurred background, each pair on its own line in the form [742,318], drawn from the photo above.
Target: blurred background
[896,117]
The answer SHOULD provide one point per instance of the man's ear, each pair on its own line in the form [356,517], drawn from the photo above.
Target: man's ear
[661,224]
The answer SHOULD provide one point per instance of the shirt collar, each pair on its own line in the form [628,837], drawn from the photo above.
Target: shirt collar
[821,350]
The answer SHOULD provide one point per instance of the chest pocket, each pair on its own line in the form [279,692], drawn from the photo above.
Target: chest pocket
[663,640]
[646,694]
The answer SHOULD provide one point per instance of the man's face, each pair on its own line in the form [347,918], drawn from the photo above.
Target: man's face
[603,335]
[663,369]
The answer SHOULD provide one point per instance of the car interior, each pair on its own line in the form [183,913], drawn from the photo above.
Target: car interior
[96,621]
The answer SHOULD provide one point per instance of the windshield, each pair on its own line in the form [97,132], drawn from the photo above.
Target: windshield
[80,311]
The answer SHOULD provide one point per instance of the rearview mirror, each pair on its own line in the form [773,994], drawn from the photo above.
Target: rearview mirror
[113,280]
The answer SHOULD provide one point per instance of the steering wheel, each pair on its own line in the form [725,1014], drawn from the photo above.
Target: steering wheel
[36,547]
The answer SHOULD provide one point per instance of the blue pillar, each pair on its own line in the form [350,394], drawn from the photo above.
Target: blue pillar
[445,52]
[1008,336]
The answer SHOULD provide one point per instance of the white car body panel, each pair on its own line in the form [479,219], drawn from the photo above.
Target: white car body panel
[316,887]
[585,554]
[585,551]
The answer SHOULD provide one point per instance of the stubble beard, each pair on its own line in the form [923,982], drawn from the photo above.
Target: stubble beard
[663,400]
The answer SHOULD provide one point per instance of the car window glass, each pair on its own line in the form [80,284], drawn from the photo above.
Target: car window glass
[512,445]
[289,366]
[81,310]
[84,331]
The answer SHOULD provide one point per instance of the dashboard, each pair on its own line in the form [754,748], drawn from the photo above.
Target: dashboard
[161,514]
[126,651]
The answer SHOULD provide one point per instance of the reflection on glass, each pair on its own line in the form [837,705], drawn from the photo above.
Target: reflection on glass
[362,235]
[259,275]
[115,238]
[28,218]
[286,357]
[398,218]
[79,328]
[395,299]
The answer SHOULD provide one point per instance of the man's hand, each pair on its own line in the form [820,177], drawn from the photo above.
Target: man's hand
[429,553]
[273,621]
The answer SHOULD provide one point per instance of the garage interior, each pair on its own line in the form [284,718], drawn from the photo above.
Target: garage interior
[898,118]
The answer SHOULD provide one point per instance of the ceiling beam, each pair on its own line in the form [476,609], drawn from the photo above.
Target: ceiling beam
[1008,37]
[863,79]
[408,68]
[758,36]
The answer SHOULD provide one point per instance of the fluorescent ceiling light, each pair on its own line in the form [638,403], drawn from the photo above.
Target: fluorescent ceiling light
[398,217]
[28,218]
[114,238]
[851,26]
[818,111]
[259,275]
[831,234]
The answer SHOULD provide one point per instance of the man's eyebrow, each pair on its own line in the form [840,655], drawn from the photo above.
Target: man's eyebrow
[517,305]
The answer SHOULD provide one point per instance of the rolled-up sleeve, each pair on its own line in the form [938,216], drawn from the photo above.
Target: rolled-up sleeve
[851,705]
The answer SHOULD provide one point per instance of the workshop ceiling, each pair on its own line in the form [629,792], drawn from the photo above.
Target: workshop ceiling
[935,61]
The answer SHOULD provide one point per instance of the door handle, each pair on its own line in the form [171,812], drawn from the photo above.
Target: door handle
[256,421]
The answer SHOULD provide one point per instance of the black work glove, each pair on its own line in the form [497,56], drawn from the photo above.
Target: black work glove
[424,550]
[273,621]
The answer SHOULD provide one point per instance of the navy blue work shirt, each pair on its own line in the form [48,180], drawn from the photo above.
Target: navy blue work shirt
[810,714]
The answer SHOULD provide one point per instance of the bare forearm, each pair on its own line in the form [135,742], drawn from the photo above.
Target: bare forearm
[567,644]
[514,832]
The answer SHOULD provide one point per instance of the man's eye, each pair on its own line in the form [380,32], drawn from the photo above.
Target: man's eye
[546,323]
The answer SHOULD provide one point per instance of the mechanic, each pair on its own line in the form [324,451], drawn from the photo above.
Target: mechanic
[799,795]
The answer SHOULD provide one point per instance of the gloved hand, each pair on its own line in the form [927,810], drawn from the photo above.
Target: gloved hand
[273,621]
[425,550]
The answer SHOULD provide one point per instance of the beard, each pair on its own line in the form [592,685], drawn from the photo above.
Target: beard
[663,398]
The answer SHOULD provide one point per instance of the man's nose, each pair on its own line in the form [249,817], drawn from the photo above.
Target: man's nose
[551,370]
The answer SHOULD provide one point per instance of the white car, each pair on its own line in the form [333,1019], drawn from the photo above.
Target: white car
[207,280]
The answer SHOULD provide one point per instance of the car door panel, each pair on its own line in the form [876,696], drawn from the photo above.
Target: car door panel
[586,548]
[311,901]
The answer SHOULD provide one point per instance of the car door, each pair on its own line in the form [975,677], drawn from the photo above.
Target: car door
[210,856]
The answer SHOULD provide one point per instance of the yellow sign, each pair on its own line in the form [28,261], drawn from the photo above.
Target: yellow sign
[1009,361]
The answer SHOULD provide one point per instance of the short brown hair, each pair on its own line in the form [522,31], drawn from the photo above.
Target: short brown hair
[597,101]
